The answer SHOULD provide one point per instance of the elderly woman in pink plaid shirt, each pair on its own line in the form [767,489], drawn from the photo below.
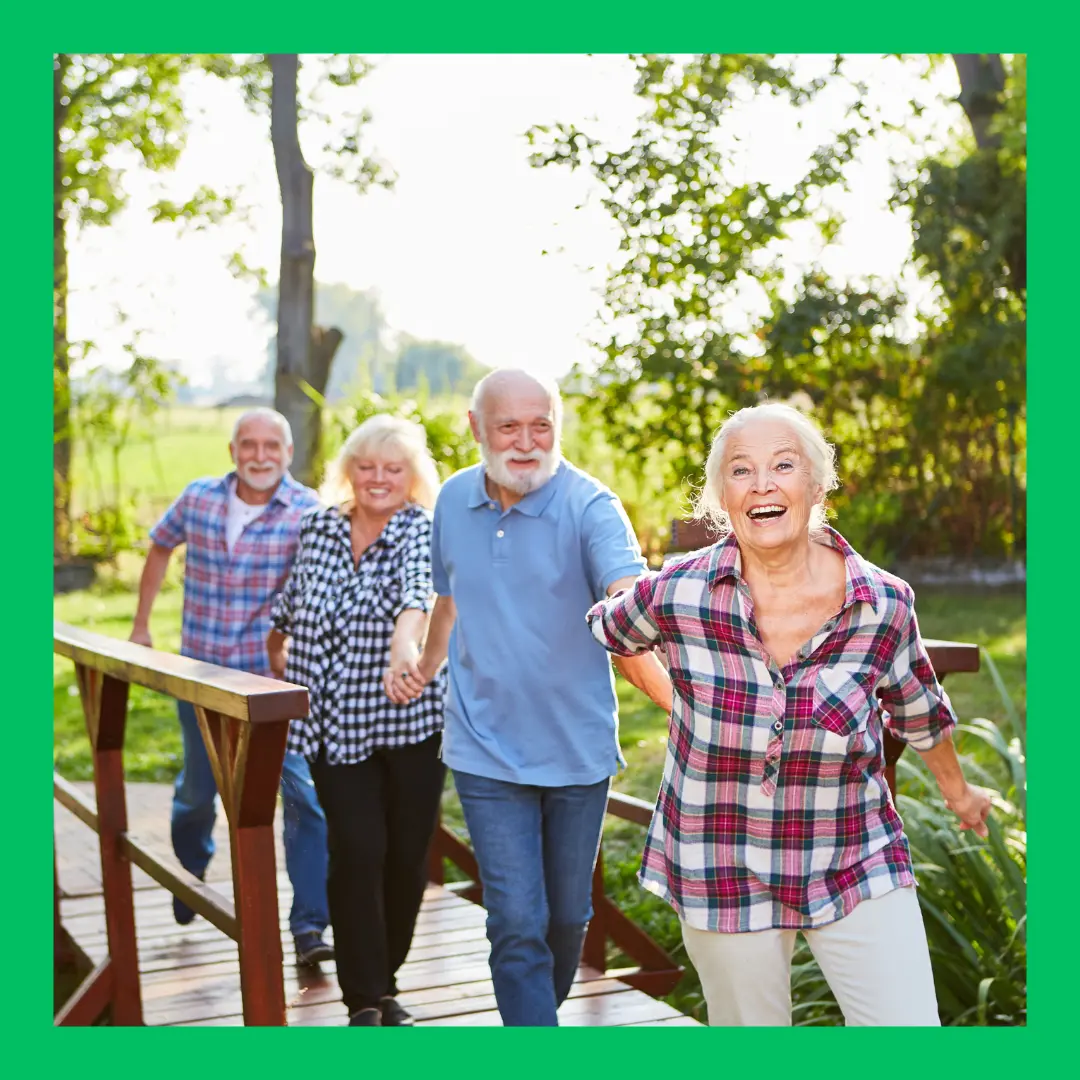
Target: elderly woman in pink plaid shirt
[788,653]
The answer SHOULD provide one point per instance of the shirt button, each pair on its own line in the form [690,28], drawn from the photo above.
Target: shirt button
[491,506]
[500,534]
[779,725]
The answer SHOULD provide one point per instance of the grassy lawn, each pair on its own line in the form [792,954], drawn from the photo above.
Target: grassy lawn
[155,466]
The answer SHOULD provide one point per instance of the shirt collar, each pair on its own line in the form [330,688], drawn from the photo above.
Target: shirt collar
[861,585]
[391,532]
[532,505]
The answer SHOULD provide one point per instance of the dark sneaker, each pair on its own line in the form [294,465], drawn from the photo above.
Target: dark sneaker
[181,912]
[366,1018]
[311,949]
[393,1014]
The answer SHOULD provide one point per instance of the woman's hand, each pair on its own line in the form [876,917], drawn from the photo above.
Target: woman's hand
[969,803]
[972,807]
[402,680]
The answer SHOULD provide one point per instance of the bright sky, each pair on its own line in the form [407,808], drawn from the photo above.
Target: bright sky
[456,251]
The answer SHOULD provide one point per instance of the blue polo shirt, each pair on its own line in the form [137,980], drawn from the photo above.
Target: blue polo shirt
[532,694]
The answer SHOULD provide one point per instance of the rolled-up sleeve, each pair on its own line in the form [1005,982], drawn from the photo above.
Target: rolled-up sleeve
[416,583]
[171,530]
[624,623]
[918,710]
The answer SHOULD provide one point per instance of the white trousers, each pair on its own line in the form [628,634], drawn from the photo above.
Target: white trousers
[875,960]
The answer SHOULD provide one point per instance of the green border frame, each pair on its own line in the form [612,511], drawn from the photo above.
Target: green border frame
[423,26]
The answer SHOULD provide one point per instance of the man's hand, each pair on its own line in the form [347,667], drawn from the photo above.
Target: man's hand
[277,650]
[141,636]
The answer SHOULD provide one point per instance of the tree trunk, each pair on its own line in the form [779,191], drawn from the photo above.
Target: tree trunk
[61,383]
[295,376]
[982,82]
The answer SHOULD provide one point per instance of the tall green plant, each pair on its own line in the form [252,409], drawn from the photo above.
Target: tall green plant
[109,409]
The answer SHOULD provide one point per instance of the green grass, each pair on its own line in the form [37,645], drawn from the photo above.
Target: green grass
[152,748]
[155,464]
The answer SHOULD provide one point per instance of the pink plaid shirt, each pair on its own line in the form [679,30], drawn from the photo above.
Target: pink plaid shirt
[773,810]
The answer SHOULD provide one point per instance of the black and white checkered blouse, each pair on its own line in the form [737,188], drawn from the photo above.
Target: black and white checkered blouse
[340,617]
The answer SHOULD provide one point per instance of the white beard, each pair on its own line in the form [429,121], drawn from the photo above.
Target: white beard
[495,464]
[262,479]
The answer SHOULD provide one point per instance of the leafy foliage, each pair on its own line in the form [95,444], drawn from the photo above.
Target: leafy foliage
[704,316]
[109,410]
[449,437]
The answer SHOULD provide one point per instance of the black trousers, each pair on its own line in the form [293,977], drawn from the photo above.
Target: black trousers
[380,816]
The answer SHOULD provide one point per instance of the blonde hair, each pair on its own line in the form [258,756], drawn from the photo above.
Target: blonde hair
[819,452]
[381,436]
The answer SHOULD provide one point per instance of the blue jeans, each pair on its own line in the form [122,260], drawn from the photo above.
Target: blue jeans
[194,810]
[536,848]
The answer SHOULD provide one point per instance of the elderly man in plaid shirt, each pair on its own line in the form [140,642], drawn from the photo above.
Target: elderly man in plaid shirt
[788,653]
[241,533]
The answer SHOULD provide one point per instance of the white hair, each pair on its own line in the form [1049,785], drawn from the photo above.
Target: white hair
[492,381]
[819,452]
[263,413]
[378,436]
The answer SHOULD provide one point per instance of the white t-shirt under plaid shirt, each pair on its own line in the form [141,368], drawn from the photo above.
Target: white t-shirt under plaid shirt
[340,615]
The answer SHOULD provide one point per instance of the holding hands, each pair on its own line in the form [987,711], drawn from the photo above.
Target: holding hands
[404,679]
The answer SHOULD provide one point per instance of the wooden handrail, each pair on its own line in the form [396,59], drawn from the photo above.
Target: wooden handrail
[244,720]
[250,698]
[629,809]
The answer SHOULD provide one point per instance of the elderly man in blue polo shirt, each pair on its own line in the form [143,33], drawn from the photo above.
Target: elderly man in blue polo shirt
[522,546]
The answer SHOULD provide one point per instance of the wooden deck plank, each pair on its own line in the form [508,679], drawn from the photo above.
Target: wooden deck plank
[190,974]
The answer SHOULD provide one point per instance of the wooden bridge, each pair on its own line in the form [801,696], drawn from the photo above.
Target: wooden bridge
[113,898]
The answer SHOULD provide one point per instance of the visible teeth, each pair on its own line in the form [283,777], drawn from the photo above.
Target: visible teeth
[772,509]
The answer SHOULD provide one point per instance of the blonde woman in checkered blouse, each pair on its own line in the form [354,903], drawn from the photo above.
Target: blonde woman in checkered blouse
[355,605]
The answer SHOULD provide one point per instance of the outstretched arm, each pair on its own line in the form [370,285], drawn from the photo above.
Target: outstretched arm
[153,574]
[436,647]
[969,803]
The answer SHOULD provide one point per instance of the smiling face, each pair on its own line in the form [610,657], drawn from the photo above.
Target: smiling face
[517,433]
[260,454]
[380,482]
[766,485]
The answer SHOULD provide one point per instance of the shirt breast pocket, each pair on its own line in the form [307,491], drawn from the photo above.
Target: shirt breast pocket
[843,698]
[382,594]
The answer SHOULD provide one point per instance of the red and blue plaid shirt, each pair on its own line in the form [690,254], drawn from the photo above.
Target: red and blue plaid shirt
[773,810]
[227,597]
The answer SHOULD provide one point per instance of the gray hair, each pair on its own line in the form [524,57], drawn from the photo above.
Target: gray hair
[493,380]
[263,413]
[378,435]
[820,453]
